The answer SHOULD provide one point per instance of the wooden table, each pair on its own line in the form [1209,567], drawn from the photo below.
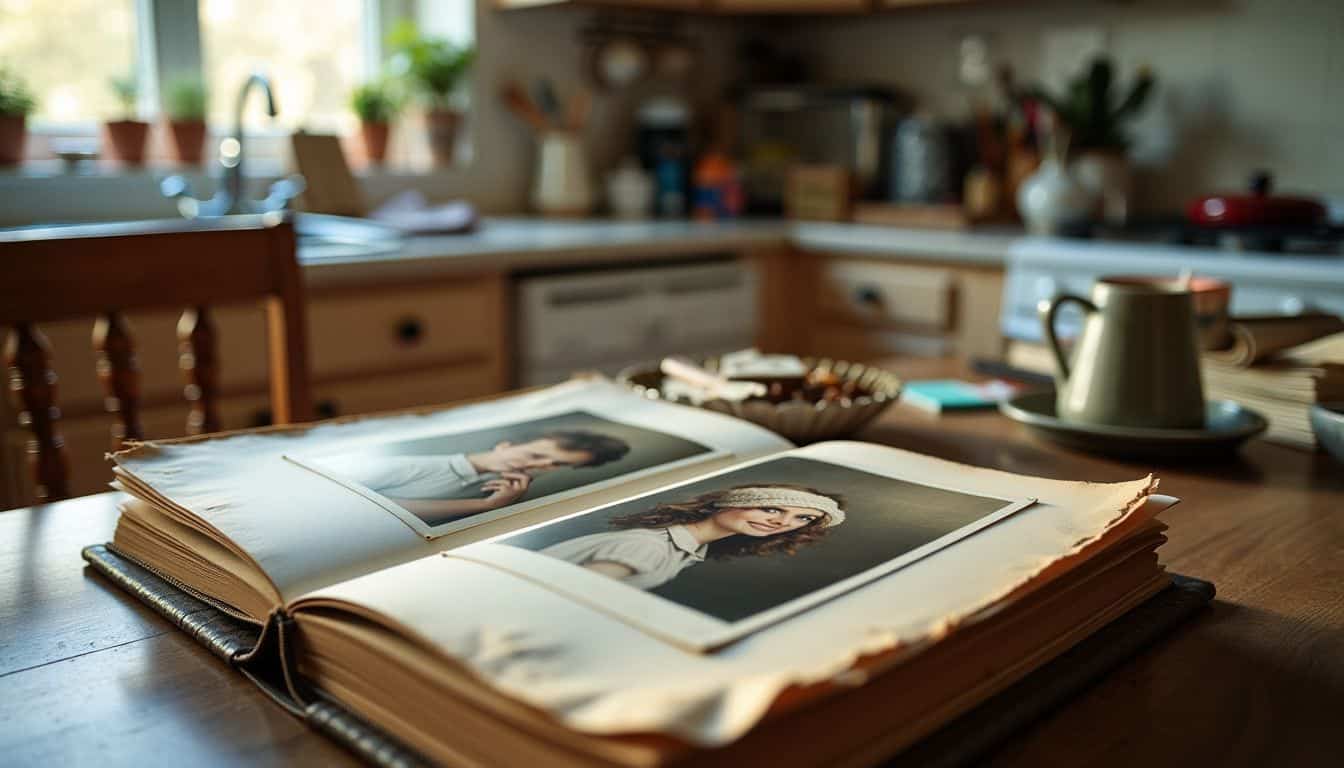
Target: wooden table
[88,676]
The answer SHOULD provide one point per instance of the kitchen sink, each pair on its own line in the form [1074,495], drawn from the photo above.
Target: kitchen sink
[324,236]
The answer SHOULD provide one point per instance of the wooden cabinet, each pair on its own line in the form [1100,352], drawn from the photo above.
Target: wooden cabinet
[373,348]
[864,309]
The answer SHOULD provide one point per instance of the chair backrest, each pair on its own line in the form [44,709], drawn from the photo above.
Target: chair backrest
[100,270]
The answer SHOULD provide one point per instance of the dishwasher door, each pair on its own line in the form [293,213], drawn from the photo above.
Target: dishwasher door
[607,320]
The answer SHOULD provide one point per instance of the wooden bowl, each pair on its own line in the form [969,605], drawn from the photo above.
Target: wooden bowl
[797,420]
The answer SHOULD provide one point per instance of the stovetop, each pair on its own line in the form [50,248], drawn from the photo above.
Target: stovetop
[1323,240]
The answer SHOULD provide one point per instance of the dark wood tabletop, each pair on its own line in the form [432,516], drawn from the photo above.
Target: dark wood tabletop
[88,676]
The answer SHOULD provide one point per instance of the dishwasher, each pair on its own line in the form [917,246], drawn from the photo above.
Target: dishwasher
[606,319]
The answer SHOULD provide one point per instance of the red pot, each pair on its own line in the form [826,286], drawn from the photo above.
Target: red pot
[1257,209]
[128,139]
[443,125]
[13,132]
[375,141]
[188,140]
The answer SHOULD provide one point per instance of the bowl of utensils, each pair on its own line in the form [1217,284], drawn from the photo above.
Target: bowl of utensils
[806,400]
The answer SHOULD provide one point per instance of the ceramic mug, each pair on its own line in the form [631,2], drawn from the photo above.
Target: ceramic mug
[1136,362]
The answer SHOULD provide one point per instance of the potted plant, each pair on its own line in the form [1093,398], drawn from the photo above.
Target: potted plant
[128,136]
[1096,115]
[16,103]
[184,104]
[435,67]
[376,104]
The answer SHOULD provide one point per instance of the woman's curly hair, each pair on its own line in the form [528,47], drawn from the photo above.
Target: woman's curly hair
[703,506]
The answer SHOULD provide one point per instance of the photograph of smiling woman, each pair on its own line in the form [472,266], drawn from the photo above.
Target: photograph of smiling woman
[650,548]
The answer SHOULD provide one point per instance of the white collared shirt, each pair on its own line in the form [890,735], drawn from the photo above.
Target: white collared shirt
[656,555]
[411,477]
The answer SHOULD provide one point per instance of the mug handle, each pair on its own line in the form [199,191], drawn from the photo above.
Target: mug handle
[1047,311]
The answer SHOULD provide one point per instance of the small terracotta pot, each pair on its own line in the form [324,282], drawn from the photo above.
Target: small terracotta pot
[128,139]
[375,141]
[13,133]
[188,140]
[442,124]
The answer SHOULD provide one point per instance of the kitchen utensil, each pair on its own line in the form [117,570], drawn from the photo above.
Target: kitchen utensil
[1136,362]
[1260,208]
[515,98]
[547,101]
[798,421]
[1327,423]
[1226,426]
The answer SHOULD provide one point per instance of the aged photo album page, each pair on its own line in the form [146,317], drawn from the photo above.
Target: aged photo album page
[313,506]
[689,609]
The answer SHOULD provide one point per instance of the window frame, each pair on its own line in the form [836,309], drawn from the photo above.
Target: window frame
[168,46]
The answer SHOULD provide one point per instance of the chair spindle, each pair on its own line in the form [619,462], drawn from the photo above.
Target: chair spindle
[197,346]
[119,371]
[33,382]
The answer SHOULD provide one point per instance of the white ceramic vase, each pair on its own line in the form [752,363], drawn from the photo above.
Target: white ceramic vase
[1051,198]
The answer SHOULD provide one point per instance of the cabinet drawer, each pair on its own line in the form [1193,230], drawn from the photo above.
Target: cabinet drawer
[383,331]
[887,294]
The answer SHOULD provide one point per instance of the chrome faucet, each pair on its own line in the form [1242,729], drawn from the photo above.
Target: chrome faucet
[228,198]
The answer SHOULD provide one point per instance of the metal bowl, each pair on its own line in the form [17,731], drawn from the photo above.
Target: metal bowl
[799,421]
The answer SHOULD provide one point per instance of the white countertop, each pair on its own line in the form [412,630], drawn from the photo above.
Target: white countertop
[513,244]
[516,244]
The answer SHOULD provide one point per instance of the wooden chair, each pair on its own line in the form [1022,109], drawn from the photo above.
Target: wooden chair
[100,270]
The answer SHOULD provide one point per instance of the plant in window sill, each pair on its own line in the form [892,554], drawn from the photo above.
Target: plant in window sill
[376,104]
[435,68]
[127,136]
[184,104]
[16,103]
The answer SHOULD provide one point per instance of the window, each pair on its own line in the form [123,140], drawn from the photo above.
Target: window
[315,53]
[68,51]
[312,73]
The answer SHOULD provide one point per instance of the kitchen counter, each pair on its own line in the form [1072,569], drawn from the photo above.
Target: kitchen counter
[512,244]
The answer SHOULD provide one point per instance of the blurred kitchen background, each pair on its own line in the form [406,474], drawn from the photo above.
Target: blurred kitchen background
[510,191]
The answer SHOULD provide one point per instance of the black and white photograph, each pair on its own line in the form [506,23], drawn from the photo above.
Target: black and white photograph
[749,546]
[443,483]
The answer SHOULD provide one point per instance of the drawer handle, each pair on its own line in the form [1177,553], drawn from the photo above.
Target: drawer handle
[868,295]
[410,330]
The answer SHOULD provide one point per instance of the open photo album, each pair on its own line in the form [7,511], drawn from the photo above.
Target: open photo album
[582,576]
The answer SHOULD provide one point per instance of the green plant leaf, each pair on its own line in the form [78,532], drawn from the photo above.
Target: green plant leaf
[186,99]
[16,99]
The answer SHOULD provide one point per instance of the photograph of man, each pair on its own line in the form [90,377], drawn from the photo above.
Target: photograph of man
[442,488]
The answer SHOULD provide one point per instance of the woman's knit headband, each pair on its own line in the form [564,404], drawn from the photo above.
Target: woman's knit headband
[783,497]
